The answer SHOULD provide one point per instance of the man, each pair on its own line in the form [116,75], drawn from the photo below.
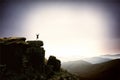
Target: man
[37,36]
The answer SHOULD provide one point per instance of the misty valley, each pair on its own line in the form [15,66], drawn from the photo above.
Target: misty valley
[99,69]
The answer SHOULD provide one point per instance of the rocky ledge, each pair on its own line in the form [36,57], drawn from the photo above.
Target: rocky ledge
[25,60]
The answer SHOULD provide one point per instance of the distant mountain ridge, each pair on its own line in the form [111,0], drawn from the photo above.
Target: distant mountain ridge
[109,70]
[96,60]
[113,56]
[71,66]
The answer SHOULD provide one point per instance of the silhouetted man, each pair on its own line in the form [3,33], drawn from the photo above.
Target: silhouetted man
[37,36]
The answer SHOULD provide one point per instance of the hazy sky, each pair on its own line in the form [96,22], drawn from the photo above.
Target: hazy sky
[70,30]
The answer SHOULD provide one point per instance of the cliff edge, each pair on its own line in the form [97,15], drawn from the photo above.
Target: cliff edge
[25,60]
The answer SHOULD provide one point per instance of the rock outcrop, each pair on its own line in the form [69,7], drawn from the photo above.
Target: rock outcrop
[25,60]
[36,55]
[11,52]
[55,63]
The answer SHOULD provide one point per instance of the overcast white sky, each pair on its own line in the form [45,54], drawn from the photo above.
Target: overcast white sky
[70,31]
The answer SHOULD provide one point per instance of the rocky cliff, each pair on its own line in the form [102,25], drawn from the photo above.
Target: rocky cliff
[25,60]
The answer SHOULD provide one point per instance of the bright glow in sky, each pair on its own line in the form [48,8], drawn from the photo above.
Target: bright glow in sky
[69,32]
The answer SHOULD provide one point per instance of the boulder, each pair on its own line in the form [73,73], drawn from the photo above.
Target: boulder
[55,63]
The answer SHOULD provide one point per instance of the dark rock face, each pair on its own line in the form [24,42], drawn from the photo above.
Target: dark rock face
[11,52]
[55,63]
[25,60]
[36,55]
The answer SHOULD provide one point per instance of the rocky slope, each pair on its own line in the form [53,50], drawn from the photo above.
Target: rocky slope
[25,60]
